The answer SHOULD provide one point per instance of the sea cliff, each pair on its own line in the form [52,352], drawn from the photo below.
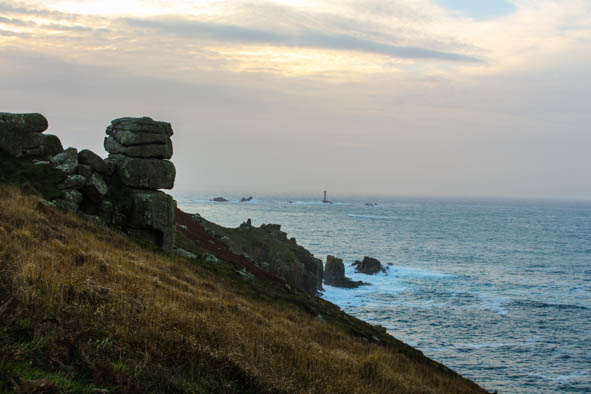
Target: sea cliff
[106,286]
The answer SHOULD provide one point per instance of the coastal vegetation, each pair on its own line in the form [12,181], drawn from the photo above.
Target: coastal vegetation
[83,308]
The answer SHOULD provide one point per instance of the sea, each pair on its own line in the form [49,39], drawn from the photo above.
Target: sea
[499,290]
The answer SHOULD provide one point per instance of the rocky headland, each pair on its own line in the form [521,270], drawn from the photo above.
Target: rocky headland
[189,306]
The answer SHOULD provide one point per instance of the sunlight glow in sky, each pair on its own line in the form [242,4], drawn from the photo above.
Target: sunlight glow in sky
[410,97]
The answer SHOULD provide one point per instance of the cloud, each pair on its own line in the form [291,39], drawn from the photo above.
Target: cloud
[306,38]
[14,21]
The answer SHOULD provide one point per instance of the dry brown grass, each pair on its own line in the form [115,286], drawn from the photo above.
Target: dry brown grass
[129,313]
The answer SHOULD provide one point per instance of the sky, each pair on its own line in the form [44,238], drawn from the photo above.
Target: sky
[488,98]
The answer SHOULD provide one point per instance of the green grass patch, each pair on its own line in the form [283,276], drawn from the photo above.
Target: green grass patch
[22,376]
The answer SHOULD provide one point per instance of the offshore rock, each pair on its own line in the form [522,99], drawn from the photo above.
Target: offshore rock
[67,161]
[145,173]
[93,160]
[369,266]
[153,213]
[334,274]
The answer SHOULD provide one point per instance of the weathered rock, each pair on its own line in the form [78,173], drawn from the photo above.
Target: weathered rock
[156,151]
[154,210]
[246,199]
[184,253]
[85,170]
[145,173]
[130,138]
[14,143]
[38,146]
[369,266]
[275,231]
[145,125]
[111,165]
[334,274]
[74,181]
[95,188]
[268,247]
[220,199]
[24,123]
[106,213]
[53,144]
[67,161]
[93,160]
[20,136]
[70,201]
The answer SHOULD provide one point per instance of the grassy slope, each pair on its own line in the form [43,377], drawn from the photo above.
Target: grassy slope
[82,308]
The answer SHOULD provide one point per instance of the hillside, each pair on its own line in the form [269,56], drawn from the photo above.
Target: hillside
[85,309]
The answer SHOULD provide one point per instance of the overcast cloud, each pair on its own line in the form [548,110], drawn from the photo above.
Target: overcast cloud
[373,97]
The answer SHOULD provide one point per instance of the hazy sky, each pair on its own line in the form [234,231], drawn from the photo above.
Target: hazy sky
[414,97]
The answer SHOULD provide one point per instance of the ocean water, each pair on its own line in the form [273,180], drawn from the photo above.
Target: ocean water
[498,290]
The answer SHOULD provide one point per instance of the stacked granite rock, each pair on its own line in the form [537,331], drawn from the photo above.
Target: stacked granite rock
[85,187]
[21,136]
[139,149]
[123,189]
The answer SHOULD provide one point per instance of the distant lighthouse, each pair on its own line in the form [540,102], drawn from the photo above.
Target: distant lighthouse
[325,200]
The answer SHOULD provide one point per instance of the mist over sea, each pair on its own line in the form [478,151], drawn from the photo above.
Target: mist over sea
[498,290]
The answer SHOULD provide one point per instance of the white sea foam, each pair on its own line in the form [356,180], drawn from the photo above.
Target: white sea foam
[495,303]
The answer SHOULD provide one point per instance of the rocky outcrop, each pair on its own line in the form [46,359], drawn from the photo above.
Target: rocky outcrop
[151,174]
[94,161]
[334,274]
[21,136]
[246,199]
[270,249]
[369,266]
[139,149]
[83,180]
[122,190]
[219,199]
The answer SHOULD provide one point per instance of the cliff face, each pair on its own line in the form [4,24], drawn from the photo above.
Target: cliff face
[269,248]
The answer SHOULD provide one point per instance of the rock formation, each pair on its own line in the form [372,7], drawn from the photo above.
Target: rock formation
[369,266]
[139,149]
[219,199]
[21,136]
[123,189]
[334,274]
